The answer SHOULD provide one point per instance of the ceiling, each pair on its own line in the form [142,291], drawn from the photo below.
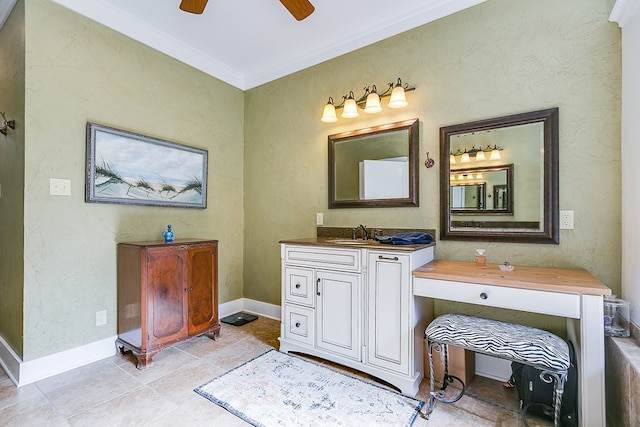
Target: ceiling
[247,43]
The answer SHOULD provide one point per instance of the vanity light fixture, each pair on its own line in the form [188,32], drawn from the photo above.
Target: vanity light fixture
[477,154]
[495,153]
[329,113]
[466,177]
[6,124]
[373,102]
[369,101]
[350,109]
[465,157]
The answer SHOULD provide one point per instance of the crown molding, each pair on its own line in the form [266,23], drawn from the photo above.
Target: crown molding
[623,10]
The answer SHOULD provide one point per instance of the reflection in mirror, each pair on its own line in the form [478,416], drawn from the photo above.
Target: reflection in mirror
[483,191]
[374,167]
[468,197]
[499,179]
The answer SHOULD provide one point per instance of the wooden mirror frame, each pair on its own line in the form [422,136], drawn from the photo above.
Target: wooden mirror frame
[413,145]
[549,232]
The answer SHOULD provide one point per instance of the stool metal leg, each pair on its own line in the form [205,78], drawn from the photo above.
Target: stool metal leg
[558,379]
[446,380]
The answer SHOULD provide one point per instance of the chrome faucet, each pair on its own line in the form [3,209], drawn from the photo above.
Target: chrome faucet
[365,236]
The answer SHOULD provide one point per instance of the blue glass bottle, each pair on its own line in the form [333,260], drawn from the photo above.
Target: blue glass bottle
[168,235]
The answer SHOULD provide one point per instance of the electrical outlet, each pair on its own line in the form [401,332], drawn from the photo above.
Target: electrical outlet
[566,220]
[101,317]
[319,218]
[59,187]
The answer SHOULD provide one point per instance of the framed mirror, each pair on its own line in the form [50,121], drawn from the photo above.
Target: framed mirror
[374,167]
[499,179]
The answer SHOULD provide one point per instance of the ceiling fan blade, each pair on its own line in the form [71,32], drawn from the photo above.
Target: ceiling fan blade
[300,9]
[193,6]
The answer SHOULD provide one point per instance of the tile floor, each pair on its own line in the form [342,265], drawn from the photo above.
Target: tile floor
[112,392]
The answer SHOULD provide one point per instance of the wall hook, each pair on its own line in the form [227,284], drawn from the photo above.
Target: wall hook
[6,124]
[429,162]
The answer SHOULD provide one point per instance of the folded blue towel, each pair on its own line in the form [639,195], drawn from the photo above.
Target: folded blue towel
[407,238]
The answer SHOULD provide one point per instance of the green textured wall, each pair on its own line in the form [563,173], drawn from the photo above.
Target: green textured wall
[79,71]
[498,58]
[12,69]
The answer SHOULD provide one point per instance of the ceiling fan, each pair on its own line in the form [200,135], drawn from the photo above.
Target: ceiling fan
[300,9]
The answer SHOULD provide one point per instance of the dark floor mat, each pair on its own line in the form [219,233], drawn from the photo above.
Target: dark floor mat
[239,319]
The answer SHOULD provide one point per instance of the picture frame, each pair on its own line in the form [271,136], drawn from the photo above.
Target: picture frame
[132,169]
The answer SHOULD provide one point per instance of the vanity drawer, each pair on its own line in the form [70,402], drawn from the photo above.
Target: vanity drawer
[330,258]
[534,301]
[298,324]
[299,286]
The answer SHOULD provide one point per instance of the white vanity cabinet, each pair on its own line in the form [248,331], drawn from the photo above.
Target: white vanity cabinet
[355,306]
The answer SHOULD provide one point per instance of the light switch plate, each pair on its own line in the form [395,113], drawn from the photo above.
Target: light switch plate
[59,187]
[319,218]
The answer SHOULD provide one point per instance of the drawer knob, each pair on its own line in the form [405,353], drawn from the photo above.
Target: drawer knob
[484,295]
[297,324]
[297,285]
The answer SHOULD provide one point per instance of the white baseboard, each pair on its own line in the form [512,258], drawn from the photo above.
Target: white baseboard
[9,361]
[23,373]
[493,367]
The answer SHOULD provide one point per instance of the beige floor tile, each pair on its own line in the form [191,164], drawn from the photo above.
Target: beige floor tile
[134,408]
[34,412]
[10,394]
[164,363]
[113,392]
[179,386]
[98,383]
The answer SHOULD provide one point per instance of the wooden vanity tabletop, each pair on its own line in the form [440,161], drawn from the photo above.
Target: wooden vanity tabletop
[539,278]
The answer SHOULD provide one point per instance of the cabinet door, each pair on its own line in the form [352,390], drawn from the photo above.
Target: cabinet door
[203,298]
[166,295]
[338,313]
[389,299]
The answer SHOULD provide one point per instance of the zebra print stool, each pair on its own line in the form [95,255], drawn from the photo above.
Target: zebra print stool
[517,343]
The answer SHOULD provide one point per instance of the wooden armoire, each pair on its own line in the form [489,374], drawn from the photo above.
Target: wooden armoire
[167,292]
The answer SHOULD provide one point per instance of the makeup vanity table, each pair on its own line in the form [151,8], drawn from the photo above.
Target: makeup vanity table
[573,294]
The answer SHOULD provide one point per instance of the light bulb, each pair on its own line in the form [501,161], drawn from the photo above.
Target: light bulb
[373,102]
[398,98]
[329,113]
[350,108]
[480,156]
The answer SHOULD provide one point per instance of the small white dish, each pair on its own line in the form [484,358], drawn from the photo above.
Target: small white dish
[506,267]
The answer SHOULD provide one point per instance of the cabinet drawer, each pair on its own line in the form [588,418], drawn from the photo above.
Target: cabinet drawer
[531,300]
[330,258]
[298,324]
[299,286]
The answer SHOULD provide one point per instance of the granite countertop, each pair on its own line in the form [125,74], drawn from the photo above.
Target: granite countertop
[341,238]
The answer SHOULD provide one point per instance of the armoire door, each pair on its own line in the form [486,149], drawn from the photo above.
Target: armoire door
[203,304]
[166,295]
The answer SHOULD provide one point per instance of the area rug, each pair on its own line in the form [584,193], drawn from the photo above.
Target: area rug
[278,389]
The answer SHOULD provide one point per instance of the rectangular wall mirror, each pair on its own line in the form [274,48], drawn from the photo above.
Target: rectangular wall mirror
[499,179]
[374,167]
